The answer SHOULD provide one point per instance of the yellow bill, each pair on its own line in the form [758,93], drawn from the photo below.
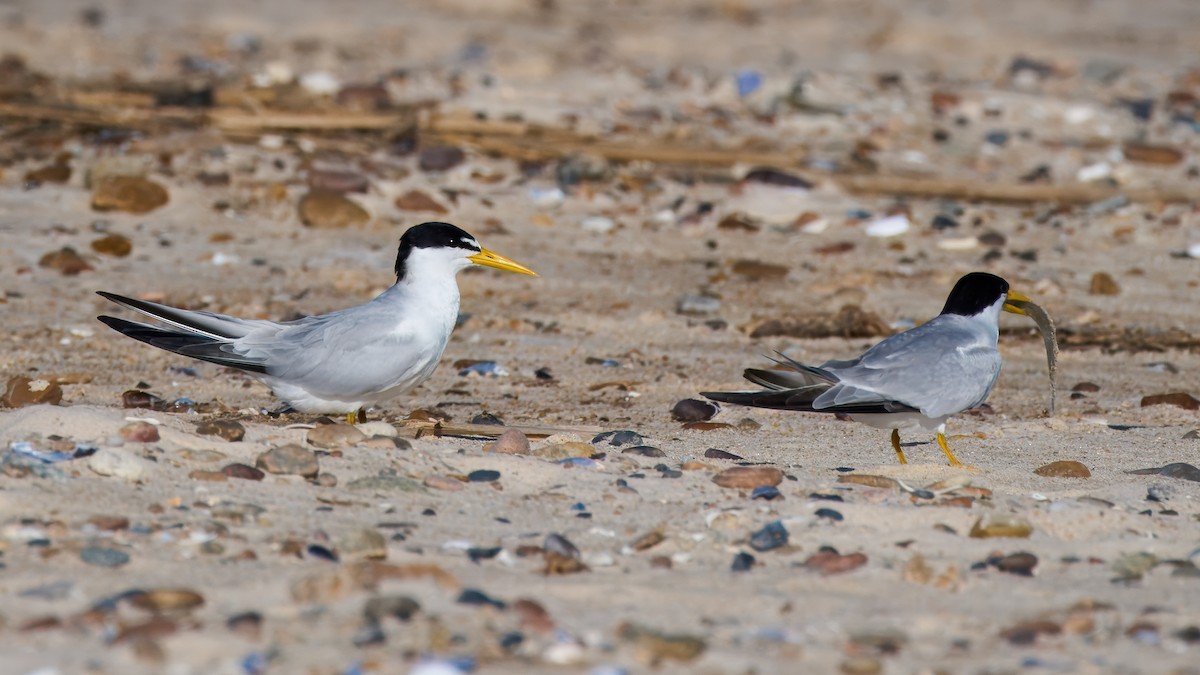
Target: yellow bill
[489,259]
[1016,302]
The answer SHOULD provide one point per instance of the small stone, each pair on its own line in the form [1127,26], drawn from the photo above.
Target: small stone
[861,665]
[440,158]
[511,442]
[829,514]
[22,391]
[134,398]
[415,200]
[766,493]
[648,540]
[102,556]
[130,194]
[1103,284]
[1152,154]
[338,181]
[714,453]
[385,482]
[445,483]
[652,647]
[109,523]
[230,430]
[363,544]
[644,451]
[1000,525]
[771,536]
[209,476]
[487,418]
[1064,468]
[697,305]
[1021,564]
[66,260]
[829,562]
[748,477]
[116,245]
[335,436]
[246,624]
[139,432]
[1027,632]
[56,173]
[399,607]
[328,210]
[1180,399]
[756,270]
[694,410]
[619,438]
[243,471]
[565,450]
[167,600]
[289,459]
[202,456]
[472,596]
[889,226]
[325,480]
[378,428]
[1086,387]
[742,562]
[118,463]
[483,476]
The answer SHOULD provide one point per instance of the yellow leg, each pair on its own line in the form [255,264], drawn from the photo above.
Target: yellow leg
[351,418]
[896,445]
[946,449]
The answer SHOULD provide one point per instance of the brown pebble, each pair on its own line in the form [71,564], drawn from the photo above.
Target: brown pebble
[693,410]
[557,564]
[242,471]
[748,477]
[1180,399]
[439,482]
[756,270]
[830,562]
[22,391]
[328,210]
[662,562]
[325,480]
[1086,387]
[1103,284]
[130,194]
[211,476]
[861,665]
[851,321]
[440,158]
[66,260]
[707,426]
[1064,468]
[557,451]
[870,480]
[167,600]
[648,540]
[56,173]
[415,200]
[713,453]
[115,245]
[652,647]
[696,465]
[1145,153]
[230,430]
[289,459]
[534,617]
[1021,564]
[109,523]
[133,398]
[338,181]
[140,432]
[335,436]
[1027,632]
[511,442]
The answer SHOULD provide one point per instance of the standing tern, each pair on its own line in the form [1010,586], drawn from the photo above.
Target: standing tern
[344,360]
[913,380]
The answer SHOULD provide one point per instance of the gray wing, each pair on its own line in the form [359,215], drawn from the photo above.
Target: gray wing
[940,368]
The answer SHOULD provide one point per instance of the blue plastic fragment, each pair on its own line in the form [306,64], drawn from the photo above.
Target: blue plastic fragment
[255,663]
[581,462]
[27,449]
[483,369]
[747,81]
[767,492]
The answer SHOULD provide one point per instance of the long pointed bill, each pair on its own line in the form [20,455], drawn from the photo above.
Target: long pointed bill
[489,259]
[1015,303]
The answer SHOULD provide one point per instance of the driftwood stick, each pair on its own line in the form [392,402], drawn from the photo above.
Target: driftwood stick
[425,428]
[968,189]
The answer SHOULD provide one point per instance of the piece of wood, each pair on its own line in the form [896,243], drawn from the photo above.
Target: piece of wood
[1020,193]
[426,428]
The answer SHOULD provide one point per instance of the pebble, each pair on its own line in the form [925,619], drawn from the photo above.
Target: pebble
[377,428]
[742,562]
[202,456]
[116,245]
[1021,564]
[861,665]
[619,438]
[644,451]
[748,477]
[582,167]
[338,181]
[597,224]
[714,453]
[483,476]
[1086,387]
[335,436]
[440,158]
[210,476]
[1179,399]
[102,556]
[1179,470]
[652,647]
[139,432]
[118,463]
[329,210]
[648,540]
[831,514]
[230,430]
[471,596]
[1065,468]
[565,450]
[23,391]
[385,481]
[766,493]
[828,561]
[290,459]
[444,483]
[415,200]
[243,471]
[755,270]
[166,600]
[109,523]
[129,194]
[777,178]
[697,305]
[134,398]
[1103,284]
[66,261]
[889,226]
[694,410]
[487,418]
[57,173]
[1000,525]
[1145,153]
[399,607]
[511,442]
[362,544]
[771,536]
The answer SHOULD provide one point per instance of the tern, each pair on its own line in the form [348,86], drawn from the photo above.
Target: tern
[913,380]
[344,360]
